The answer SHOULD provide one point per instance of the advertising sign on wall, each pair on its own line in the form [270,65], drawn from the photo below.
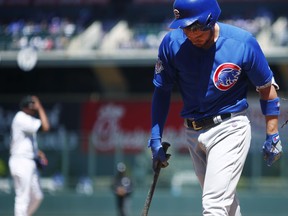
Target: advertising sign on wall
[126,124]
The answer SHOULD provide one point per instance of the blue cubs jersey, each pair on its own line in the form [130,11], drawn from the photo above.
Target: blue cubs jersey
[211,81]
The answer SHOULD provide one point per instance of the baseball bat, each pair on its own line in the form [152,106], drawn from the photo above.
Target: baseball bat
[149,197]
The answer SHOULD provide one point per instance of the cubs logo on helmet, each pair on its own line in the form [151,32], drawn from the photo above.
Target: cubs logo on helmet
[226,75]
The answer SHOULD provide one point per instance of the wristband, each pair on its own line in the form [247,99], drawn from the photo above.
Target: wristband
[152,142]
[274,137]
[270,107]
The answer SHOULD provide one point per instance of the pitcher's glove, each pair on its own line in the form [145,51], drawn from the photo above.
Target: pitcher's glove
[40,163]
[41,160]
[272,148]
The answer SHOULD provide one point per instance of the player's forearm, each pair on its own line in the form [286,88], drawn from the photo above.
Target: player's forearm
[271,124]
[160,108]
[44,119]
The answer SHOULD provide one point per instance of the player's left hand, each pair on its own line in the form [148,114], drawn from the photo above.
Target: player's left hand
[272,148]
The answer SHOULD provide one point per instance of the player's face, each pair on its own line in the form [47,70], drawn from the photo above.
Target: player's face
[202,38]
[31,108]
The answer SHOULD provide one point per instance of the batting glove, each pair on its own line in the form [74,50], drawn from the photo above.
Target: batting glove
[158,154]
[272,148]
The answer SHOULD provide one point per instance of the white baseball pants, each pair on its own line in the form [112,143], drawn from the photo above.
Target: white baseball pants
[27,187]
[218,156]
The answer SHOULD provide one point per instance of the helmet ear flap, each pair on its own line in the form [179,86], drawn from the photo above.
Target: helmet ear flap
[209,22]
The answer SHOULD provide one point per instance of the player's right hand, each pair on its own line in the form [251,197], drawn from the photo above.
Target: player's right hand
[158,154]
[272,148]
[36,103]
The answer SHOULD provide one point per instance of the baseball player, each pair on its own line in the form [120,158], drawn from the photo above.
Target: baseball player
[212,64]
[25,155]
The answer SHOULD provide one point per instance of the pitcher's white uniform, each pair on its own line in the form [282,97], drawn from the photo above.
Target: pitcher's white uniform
[23,151]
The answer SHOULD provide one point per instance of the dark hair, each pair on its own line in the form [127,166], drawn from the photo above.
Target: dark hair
[26,101]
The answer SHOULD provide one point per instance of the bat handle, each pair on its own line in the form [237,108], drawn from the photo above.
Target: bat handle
[165,145]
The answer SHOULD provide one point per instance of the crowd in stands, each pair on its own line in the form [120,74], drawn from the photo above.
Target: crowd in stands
[56,33]
[45,35]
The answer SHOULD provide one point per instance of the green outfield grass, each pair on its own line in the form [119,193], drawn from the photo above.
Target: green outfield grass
[188,203]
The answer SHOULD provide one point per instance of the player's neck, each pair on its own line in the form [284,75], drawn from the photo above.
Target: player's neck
[216,32]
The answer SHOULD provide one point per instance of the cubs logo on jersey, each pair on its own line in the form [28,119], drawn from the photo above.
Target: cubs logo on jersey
[226,75]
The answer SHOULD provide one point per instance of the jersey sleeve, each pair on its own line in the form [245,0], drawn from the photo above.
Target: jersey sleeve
[256,65]
[164,72]
[28,123]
